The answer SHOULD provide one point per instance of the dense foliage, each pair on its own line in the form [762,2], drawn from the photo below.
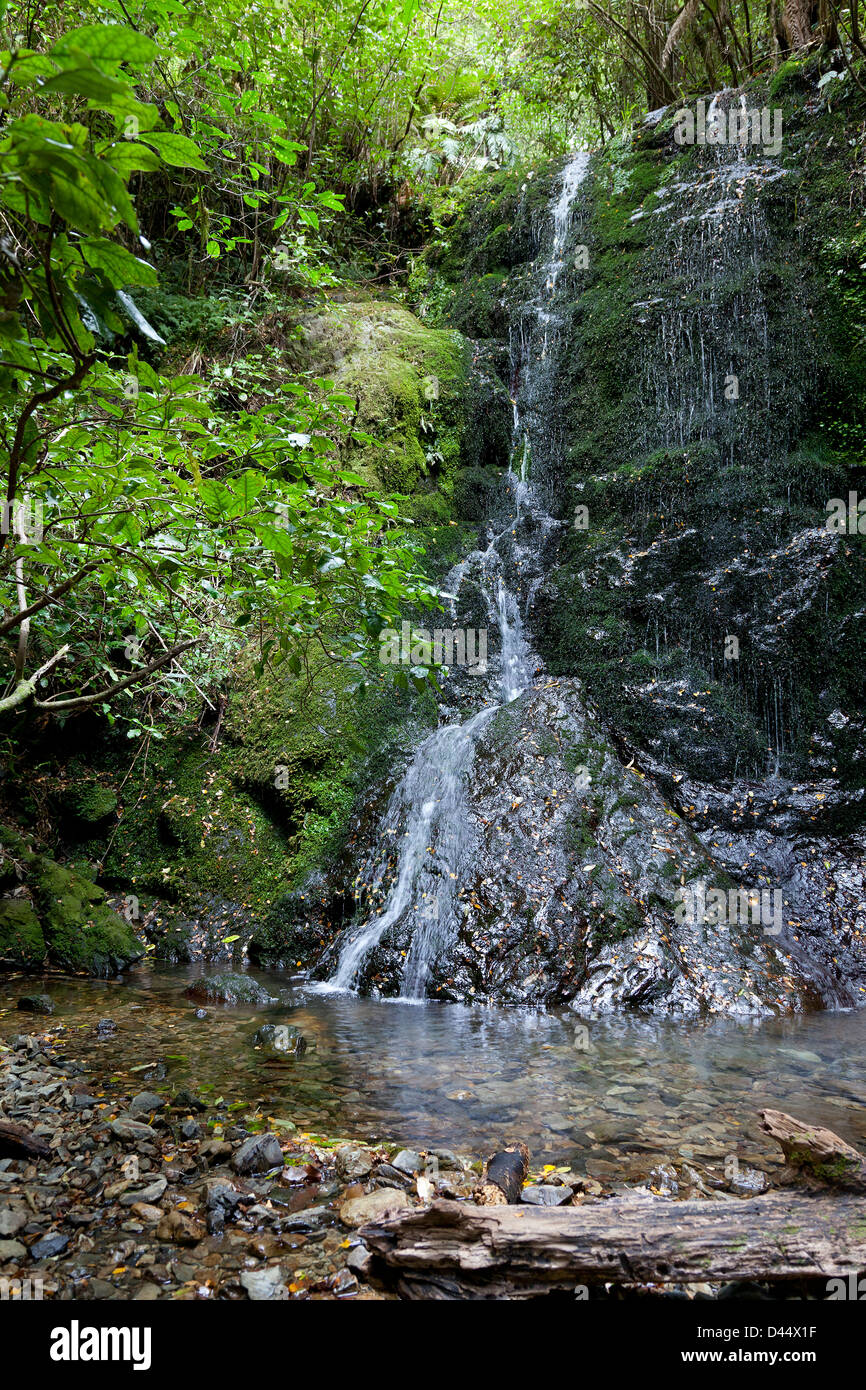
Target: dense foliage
[170,170]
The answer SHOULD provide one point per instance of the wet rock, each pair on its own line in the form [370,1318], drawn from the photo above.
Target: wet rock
[229,987]
[12,1221]
[546,1195]
[352,1162]
[213,1150]
[185,1100]
[359,1260]
[190,1129]
[258,1154]
[750,1180]
[664,1179]
[280,1038]
[408,1161]
[221,1202]
[447,1159]
[151,1193]
[379,1205]
[106,1027]
[36,1004]
[49,1245]
[386,1175]
[180,1229]
[147,1293]
[132,1131]
[264,1284]
[145,1103]
[11,1250]
[82,1100]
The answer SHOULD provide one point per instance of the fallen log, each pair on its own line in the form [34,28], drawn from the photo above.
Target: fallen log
[504,1176]
[18,1142]
[816,1153]
[453,1250]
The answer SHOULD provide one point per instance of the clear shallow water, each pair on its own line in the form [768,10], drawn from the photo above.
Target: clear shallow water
[444,1075]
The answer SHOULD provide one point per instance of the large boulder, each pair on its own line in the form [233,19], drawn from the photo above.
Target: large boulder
[229,987]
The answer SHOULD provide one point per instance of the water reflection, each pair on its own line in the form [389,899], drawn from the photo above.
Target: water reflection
[612,1096]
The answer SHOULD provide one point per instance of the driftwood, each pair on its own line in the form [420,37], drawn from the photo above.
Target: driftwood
[815,1153]
[18,1142]
[456,1250]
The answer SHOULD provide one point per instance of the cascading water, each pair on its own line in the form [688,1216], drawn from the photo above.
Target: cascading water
[428,808]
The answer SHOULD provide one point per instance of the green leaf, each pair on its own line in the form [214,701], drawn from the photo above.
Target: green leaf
[128,156]
[108,43]
[117,264]
[86,80]
[176,150]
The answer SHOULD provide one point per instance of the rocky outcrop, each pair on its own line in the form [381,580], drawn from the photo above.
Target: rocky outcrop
[53,916]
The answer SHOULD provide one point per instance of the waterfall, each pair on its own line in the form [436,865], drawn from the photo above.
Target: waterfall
[429,802]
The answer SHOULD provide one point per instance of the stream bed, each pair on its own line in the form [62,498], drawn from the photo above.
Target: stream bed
[611,1097]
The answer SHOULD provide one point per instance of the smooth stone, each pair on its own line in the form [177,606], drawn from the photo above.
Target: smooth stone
[145,1103]
[12,1221]
[148,1195]
[264,1284]
[258,1154]
[352,1162]
[229,987]
[132,1130]
[53,1244]
[378,1205]
[36,1003]
[546,1195]
[407,1161]
[11,1250]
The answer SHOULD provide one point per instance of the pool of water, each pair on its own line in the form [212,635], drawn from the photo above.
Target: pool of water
[610,1097]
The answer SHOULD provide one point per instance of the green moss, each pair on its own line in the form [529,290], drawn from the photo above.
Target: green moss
[81,931]
[408,380]
[22,943]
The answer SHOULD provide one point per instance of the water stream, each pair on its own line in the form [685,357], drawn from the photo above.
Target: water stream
[612,1098]
[428,802]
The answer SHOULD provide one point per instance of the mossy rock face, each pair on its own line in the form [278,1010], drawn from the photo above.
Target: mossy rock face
[408,380]
[22,943]
[297,927]
[82,931]
[230,988]
[83,810]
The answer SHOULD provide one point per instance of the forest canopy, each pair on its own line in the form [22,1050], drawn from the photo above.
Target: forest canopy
[232,154]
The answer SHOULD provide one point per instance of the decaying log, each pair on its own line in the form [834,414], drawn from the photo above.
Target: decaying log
[815,1153]
[504,1176]
[460,1250]
[18,1142]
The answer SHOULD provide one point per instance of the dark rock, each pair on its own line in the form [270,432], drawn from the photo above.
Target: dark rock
[280,1038]
[49,1245]
[36,1003]
[145,1103]
[185,1100]
[259,1154]
[229,987]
